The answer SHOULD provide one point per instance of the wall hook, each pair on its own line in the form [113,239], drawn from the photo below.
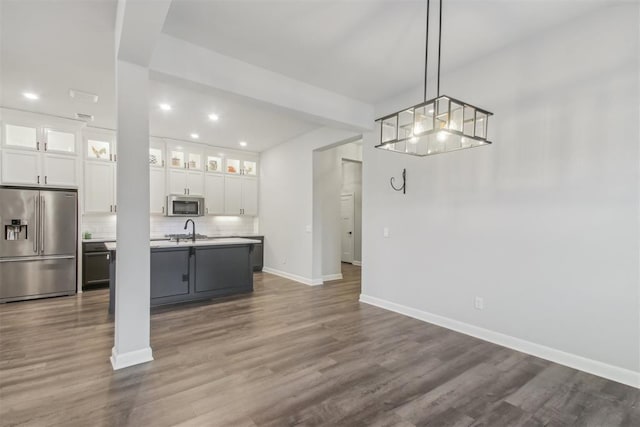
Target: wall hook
[404,182]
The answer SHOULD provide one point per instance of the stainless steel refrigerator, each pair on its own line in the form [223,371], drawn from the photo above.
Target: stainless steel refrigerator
[38,244]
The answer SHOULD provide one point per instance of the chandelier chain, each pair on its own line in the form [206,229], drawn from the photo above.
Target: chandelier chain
[439,45]
[426,53]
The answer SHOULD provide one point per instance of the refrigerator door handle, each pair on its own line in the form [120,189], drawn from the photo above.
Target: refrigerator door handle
[42,214]
[36,258]
[35,229]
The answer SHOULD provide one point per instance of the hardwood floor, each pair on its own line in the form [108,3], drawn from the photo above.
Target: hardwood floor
[288,354]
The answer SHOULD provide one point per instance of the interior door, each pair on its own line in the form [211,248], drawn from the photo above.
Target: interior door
[18,205]
[346,216]
[58,210]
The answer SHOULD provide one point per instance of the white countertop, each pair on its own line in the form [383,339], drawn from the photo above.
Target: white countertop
[111,246]
[162,237]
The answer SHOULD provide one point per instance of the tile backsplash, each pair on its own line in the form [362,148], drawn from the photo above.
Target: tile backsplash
[104,226]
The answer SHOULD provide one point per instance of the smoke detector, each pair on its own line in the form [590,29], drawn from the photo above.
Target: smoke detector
[83,96]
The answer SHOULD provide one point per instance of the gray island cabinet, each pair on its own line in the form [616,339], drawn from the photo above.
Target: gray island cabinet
[189,271]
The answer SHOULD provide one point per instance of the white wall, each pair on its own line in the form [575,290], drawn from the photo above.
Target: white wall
[286,205]
[544,223]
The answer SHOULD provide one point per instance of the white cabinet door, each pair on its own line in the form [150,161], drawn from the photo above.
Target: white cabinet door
[99,187]
[21,167]
[195,183]
[177,181]
[60,170]
[249,196]
[214,194]
[157,197]
[19,136]
[232,195]
[59,141]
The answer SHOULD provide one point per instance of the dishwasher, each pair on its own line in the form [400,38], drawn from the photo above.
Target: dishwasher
[95,265]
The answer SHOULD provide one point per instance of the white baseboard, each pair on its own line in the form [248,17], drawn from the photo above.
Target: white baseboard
[294,277]
[614,373]
[358,263]
[330,277]
[124,360]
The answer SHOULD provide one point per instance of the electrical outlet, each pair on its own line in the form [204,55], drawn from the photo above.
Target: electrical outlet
[479,303]
[385,231]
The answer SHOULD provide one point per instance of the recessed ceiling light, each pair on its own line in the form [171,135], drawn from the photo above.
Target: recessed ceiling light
[194,136]
[243,143]
[165,107]
[30,95]
[213,117]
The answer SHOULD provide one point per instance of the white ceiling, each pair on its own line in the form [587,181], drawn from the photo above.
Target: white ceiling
[368,50]
[260,126]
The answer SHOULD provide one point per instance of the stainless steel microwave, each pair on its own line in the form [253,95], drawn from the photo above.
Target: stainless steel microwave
[185,205]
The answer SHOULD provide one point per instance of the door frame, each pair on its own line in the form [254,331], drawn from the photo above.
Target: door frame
[352,197]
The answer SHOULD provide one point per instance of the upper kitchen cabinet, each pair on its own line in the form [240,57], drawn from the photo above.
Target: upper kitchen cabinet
[99,187]
[241,164]
[240,195]
[185,156]
[214,161]
[39,150]
[32,168]
[156,152]
[21,136]
[59,141]
[99,145]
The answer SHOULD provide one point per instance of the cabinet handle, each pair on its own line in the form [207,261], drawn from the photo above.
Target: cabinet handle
[163,163]
[115,208]
[37,145]
[185,165]
[45,179]
[188,191]
[110,157]
[110,208]
[115,157]
[163,209]
[45,146]
[38,179]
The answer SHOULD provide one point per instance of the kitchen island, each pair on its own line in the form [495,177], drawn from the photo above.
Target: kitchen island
[188,271]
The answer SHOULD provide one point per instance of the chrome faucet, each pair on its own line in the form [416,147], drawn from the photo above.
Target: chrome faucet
[186,224]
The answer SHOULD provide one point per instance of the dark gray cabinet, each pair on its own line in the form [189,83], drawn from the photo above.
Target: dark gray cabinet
[170,272]
[184,273]
[219,268]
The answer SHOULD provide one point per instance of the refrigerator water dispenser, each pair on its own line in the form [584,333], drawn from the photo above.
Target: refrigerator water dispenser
[17,230]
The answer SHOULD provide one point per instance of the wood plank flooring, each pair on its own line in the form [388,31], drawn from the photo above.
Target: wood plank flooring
[288,354]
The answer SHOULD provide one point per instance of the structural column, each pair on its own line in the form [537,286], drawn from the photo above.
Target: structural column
[132,316]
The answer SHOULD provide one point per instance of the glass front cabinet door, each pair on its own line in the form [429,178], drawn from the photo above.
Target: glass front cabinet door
[99,145]
[156,153]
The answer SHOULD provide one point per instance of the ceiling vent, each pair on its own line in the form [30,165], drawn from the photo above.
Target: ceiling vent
[83,96]
[84,117]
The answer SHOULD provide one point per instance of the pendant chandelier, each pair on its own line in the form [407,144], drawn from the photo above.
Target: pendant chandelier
[437,125]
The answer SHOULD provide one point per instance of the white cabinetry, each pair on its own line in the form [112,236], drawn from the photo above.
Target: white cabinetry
[240,195]
[157,197]
[186,182]
[214,194]
[99,187]
[39,156]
